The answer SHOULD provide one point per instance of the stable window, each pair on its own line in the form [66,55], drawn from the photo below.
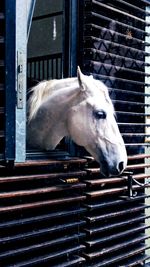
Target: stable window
[41,45]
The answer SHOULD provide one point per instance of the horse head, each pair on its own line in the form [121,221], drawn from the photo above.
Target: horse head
[82,109]
[92,124]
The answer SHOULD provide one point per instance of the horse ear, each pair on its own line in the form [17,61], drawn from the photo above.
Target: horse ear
[80,76]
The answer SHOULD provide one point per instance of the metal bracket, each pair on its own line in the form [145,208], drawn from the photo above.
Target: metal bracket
[20,80]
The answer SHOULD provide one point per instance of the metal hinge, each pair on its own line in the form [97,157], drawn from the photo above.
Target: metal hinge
[20,80]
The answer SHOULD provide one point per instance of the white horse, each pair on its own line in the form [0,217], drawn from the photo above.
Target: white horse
[81,109]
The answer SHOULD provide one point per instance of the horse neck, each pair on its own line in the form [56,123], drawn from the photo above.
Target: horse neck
[53,114]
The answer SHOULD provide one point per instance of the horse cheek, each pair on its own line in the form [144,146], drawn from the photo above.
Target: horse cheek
[77,128]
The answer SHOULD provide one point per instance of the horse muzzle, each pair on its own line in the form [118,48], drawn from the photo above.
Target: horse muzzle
[111,170]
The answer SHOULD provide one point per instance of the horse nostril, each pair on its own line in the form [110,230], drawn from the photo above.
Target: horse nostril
[121,166]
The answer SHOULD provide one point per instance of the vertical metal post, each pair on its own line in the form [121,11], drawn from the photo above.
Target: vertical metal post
[130,192]
[21,62]
[70,49]
[10,78]
[70,38]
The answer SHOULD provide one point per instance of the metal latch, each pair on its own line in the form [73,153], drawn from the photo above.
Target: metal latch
[20,80]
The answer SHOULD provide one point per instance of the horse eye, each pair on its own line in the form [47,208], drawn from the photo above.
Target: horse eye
[100,114]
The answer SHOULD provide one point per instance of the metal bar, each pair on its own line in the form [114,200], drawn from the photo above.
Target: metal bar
[21,72]
[10,79]
[70,42]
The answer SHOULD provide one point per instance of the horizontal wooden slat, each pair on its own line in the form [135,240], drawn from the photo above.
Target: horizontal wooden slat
[128,93]
[123,80]
[51,230]
[113,191]
[132,104]
[117,11]
[116,214]
[49,162]
[92,231]
[122,256]
[41,218]
[130,157]
[106,66]
[104,204]
[40,204]
[108,181]
[38,246]
[120,236]
[46,190]
[135,8]
[129,167]
[47,176]
[109,43]
[119,246]
[123,25]
[94,53]
[137,166]
[48,257]
[138,156]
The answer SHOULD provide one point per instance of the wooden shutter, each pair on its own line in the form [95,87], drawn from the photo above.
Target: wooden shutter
[114,50]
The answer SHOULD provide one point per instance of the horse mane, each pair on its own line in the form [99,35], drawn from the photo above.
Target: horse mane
[37,95]
[40,93]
